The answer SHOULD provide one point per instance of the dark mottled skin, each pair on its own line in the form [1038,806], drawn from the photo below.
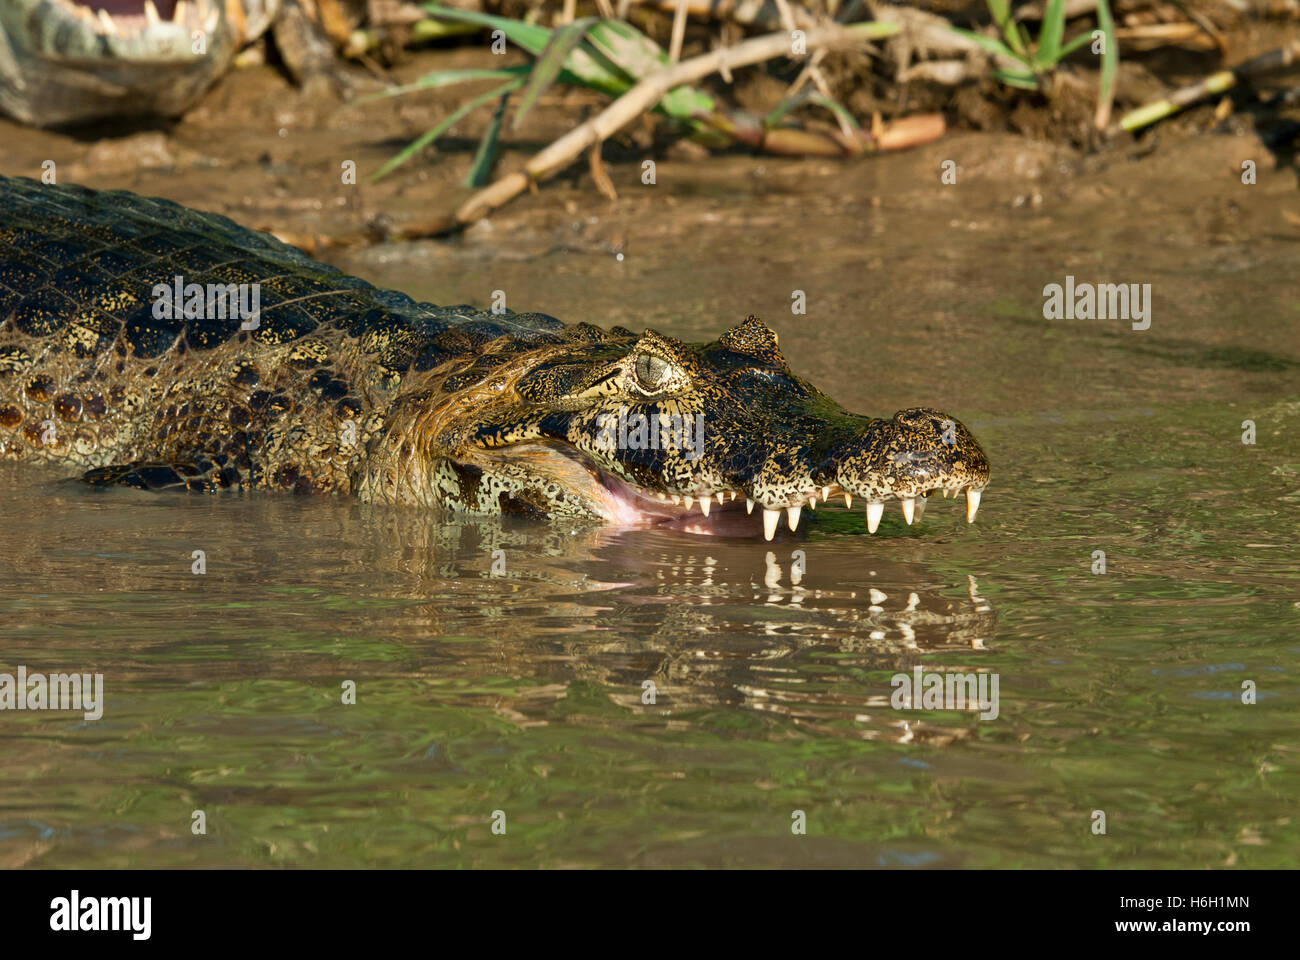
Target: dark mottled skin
[347,388]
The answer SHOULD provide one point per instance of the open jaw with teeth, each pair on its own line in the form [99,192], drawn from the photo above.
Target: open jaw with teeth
[74,61]
[719,513]
[649,430]
[124,22]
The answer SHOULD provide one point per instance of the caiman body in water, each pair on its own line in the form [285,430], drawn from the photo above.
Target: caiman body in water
[338,386]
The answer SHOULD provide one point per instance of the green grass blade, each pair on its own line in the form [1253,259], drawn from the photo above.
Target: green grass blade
[1049,36]
[1025,81]
[534,39]
[1001,13]
[779,112]
[834,106]
[487,147]
[686,103]
[430,136]
[529,36]
[1075,44]
[1109,62]
[440,78]
[628,49]
[995,47]
[548,66]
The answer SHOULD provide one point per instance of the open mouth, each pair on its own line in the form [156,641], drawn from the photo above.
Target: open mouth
[126,19]
[731,512]
[79,61]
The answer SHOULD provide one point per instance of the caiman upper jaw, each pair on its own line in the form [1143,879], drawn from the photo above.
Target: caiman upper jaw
[909,457]
[905,458]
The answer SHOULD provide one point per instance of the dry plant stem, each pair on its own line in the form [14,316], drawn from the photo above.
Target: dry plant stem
[806,73]
[679,31]
[1275,60]
[639,99]
[723,70]
[599,176]
[1205,24]
[749,13]
[787,17]
[824,88]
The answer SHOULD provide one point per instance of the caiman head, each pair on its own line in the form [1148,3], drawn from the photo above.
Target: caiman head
[74,61]
[636,430]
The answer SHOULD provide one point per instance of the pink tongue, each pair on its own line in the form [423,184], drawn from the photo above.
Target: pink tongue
[726,523]
[125,8]
[624,509]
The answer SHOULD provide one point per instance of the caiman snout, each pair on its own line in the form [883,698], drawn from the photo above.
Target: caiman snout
[906,458]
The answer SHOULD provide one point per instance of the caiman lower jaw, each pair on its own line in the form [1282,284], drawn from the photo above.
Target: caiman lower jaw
[719,512]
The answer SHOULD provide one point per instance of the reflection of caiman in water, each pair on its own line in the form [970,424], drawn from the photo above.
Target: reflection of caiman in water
[711,627]
[124,359]
[800,655]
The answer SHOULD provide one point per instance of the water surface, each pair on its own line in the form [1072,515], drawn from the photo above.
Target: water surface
[521,691]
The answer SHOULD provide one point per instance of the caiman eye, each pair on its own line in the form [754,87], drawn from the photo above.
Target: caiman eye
[651,371]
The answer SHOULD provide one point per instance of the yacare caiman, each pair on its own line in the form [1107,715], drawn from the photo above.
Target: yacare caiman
[148,344]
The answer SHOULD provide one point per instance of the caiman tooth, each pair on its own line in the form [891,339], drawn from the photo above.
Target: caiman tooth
[182,12]
[812,503]
[920,508]
[874,512]
[749,505]
[706,503]
[770,520]
[690,502]
[677,500]
[212,20]
[826,493]
[733,497]
[151,13]
[848,500]
[972,503]
[909,509]
[107,21]
[792,515]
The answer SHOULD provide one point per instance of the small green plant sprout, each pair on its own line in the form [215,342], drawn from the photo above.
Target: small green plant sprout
[1029,65]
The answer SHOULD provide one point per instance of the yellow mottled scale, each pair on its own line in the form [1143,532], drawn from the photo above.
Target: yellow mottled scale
[94,377]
